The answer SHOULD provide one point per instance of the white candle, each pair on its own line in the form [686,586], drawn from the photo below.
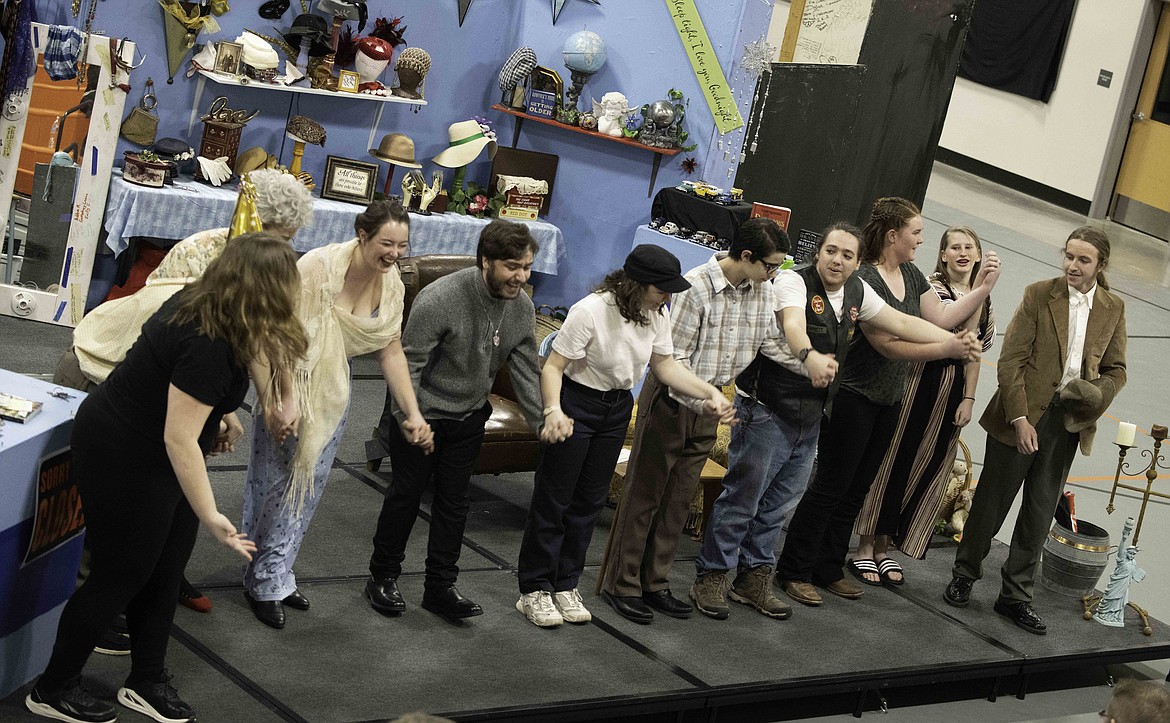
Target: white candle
[1125,434]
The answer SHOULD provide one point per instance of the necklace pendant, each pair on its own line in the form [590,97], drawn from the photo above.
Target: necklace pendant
[496,339]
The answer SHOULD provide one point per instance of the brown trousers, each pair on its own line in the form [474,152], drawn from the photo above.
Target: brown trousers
[671,444]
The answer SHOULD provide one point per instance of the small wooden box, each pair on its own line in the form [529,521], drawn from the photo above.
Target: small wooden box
[220,138]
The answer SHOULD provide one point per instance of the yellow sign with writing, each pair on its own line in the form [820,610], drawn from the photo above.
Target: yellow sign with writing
[701,52]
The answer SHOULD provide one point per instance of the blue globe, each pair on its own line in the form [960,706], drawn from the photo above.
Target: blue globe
[584,52]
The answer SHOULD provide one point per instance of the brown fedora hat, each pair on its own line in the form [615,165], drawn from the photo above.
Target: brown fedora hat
[1083,404]
[396,148]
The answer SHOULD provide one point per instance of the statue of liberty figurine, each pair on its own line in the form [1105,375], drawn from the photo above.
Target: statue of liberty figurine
[1111,609]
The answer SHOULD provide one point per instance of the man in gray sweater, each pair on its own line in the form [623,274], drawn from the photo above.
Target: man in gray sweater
[462,328]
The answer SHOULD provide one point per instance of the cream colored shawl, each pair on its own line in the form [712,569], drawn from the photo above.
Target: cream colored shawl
[322,378]
[105,334]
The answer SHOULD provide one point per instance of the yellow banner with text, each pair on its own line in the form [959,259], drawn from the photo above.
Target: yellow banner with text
[705,64]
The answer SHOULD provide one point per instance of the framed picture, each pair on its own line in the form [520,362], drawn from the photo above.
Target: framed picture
[227,57]
[347,180]
[348,81]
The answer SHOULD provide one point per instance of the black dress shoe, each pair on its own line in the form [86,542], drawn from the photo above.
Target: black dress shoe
[384,596]
[958,593]
[297,601]
[668,604]
[1022,614]
[631,608]
[448,603]
[269,612]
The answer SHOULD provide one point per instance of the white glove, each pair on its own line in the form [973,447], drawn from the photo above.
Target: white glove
[216,171]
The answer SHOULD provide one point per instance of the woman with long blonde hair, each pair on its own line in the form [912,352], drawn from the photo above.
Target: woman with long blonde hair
[139,443]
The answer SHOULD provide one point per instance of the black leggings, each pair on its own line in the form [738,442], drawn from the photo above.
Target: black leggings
[141,532]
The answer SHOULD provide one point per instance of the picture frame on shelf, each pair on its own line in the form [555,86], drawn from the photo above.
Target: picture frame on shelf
[348,81]
[227,57]
[349,180]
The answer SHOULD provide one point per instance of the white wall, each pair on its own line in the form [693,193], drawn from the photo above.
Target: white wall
[1064,143]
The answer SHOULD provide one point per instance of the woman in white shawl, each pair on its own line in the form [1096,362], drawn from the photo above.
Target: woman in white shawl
[351,304]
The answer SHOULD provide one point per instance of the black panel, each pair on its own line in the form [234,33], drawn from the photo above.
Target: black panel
[805,141]
[911,53]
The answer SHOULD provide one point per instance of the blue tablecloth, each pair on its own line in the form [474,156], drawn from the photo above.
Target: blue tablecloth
[175,212]
[689,254]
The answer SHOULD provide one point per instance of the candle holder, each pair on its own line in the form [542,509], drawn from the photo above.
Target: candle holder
[1157,459]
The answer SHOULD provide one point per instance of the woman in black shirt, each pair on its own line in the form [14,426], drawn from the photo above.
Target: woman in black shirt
[139,442]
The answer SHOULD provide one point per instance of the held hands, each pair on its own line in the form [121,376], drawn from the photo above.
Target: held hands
[416,431]
[1026,440]
[284,422]
[822,368]
[225,533]
[230,430]
[718,405]
[988,271]
[965,345]
[557,427]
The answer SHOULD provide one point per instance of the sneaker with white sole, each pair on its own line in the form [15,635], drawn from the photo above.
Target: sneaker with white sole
[157,699]
[72,703]
[572,608]
[538,607]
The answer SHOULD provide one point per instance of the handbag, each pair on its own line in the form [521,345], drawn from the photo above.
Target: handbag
[141,126]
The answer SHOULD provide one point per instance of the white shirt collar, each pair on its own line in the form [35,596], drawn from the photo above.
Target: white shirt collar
[1074,296]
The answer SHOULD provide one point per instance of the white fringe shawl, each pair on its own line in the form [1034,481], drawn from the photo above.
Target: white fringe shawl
[322,378]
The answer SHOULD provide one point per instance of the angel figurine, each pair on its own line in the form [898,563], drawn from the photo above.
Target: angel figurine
[610,113]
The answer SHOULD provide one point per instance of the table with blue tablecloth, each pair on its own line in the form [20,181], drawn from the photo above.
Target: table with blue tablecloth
[175,212]
[38,568]
[689,253]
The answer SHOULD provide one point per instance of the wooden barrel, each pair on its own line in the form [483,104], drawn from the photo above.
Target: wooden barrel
[1072,562]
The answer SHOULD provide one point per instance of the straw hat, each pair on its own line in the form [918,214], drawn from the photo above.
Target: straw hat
[253,159]
[397,149]
[465,141]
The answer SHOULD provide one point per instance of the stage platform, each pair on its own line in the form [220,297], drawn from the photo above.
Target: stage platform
[341,661]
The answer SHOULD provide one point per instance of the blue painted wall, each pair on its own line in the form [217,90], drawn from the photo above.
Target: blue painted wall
[601,188]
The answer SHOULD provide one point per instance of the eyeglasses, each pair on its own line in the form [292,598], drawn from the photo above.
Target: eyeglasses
[770,267]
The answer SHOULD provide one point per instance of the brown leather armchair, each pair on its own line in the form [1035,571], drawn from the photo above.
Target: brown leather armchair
[509,445]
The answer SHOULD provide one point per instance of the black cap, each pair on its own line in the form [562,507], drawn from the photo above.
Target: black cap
[650,264]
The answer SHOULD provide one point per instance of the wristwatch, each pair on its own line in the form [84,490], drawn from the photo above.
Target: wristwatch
[803,354]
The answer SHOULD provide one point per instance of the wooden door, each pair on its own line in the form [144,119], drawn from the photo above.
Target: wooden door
[1142,195]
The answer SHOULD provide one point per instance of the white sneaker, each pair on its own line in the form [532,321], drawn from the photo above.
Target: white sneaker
[539,609]
[571,607]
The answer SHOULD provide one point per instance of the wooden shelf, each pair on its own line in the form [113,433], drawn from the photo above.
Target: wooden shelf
[576,129]
[235,80]
[521,116]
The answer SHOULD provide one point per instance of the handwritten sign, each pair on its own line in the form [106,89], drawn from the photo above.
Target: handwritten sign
[704,62]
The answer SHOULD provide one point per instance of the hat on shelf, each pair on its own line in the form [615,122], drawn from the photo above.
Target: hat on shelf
[306,129]
[398,149]
[316,28]
[465,141]
[257,52]
[650,264]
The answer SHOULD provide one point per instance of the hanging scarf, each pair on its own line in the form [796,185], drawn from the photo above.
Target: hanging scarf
[19,55]
[322,378]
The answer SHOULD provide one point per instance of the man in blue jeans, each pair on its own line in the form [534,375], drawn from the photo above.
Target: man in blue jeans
[780,400]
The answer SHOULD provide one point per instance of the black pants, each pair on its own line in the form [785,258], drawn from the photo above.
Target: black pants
[852,446]
[457,444]
[141,532]
[571,482]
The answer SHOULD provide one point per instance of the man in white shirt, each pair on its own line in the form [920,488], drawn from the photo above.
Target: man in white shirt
[1066,329]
